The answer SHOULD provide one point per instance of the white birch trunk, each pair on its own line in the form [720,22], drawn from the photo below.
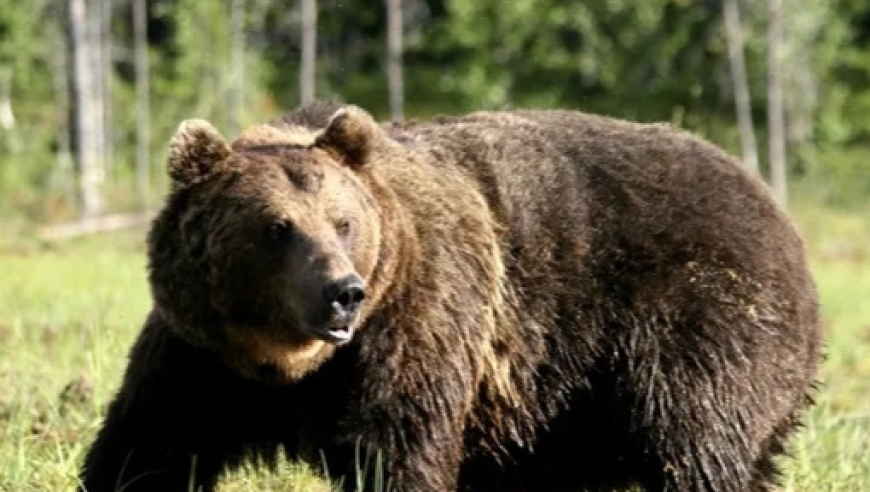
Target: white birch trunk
[94,29]
[59,63]
[7,116]
[143,102]
[309,51]
[394,62]
[776,119]
[104,42]
[90,176]
[742,101]
[237,64]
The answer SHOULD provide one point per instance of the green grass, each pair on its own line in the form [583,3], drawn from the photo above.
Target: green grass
[68,315]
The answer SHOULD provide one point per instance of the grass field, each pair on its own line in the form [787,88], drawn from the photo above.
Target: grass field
[69,313]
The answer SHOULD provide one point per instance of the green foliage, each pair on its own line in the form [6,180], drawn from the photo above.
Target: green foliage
[555,53]
[25,72]
[643,60]
[845,61]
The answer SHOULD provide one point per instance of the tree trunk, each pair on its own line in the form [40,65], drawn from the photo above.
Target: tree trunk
[87,150]
[309,51]
[94,27]
[237,64]
[776,119]
[103,21]
[742,104]
[143,102]
[59,62]
[394,62]
[7,116]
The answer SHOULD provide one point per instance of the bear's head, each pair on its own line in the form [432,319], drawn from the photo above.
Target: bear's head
[266,247]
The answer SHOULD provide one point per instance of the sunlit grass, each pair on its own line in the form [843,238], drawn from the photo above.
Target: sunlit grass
[68,314]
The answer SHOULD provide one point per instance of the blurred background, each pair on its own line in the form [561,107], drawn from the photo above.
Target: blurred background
[91,91]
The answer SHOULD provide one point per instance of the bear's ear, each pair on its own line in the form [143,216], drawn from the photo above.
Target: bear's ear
[351,135]
[195,151]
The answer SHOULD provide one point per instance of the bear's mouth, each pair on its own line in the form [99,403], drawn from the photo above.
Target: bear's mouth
[335,334]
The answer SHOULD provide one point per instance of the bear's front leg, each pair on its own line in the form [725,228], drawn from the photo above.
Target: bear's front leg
[122,461]
[430,465]
[390,459]
[171,426]
[410,417]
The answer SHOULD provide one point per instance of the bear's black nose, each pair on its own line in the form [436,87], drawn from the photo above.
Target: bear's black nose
[344,296]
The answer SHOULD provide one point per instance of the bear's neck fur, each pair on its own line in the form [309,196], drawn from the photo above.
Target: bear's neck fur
[439,228]
[399,252]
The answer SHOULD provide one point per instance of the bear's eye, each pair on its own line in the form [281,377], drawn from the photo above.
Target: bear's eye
[342,226]
[280,229]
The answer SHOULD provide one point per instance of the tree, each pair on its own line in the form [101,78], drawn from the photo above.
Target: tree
[742,100]
[237,64]
[309,51]
[7,116]
[102,59]
[143,102]
[87,121]
[776,119]
[394,59]
[59,67]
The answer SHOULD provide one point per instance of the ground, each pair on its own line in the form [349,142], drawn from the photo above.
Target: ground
[69,313]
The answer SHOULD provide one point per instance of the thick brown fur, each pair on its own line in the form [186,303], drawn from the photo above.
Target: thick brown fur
[555,301]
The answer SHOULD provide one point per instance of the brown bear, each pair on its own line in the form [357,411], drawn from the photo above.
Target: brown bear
[525,300]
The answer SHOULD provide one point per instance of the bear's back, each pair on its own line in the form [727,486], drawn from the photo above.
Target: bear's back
[631,212]
[638,184]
